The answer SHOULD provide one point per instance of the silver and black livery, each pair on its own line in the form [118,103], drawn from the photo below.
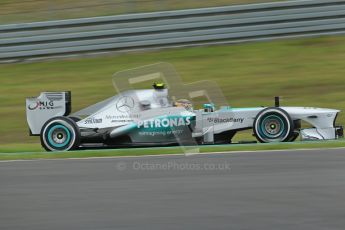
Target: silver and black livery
[148,117]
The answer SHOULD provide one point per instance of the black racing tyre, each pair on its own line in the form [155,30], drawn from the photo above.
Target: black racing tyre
[273,125]
[293,136]
[74,118]
[60,134]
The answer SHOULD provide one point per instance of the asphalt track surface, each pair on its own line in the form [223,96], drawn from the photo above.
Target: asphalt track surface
[259,190]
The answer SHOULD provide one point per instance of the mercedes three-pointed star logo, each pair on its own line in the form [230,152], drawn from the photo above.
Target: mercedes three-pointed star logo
[125,104]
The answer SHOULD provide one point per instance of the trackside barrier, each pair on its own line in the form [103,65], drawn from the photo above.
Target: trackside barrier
[228,24]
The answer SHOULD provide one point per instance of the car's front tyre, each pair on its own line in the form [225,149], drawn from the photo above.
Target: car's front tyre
[60,134]
[273,125]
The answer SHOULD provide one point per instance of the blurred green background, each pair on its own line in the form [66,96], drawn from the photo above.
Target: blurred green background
[14,11]
[305,72]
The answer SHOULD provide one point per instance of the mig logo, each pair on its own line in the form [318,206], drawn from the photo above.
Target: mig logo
[41,105]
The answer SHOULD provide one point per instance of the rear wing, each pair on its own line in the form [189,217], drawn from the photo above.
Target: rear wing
[47,105]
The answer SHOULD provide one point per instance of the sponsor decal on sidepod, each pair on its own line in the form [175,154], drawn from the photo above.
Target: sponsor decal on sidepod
[164,122]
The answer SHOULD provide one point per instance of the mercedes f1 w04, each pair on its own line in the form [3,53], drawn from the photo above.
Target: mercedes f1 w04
[148,118]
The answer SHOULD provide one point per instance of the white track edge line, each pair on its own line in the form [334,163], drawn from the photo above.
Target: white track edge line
[174,154]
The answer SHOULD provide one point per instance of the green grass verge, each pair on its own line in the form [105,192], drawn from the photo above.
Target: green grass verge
[20,154]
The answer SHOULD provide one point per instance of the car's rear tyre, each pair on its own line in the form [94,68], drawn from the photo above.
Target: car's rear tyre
[60,134]
[273,125]
[74,118]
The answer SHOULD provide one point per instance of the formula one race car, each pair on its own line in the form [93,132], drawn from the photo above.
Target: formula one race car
[149,118]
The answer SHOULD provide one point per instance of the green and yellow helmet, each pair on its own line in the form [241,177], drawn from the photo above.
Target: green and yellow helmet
[158,85]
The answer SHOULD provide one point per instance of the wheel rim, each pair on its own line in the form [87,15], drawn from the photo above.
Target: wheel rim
[272,128]
[59,136]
